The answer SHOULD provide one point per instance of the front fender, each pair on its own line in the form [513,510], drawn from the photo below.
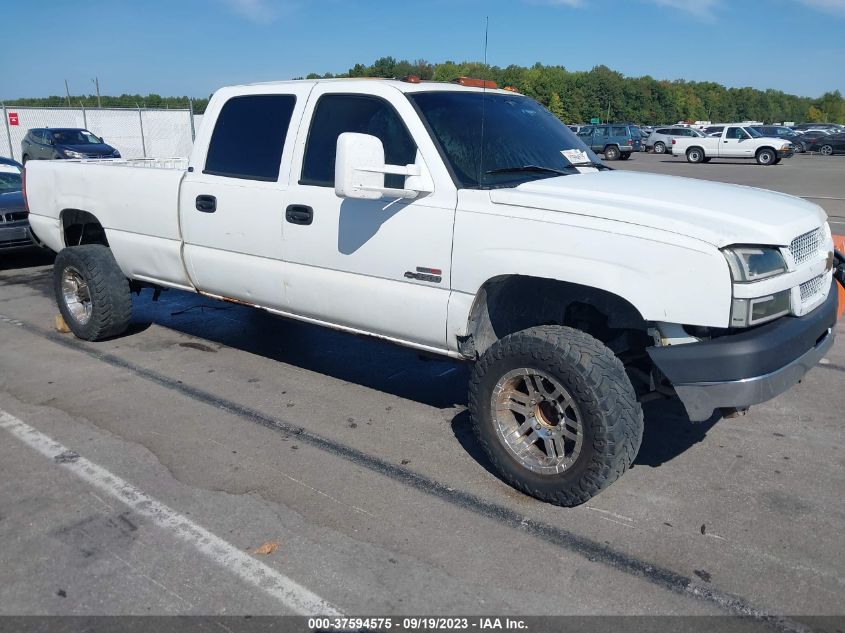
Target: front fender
[665,276]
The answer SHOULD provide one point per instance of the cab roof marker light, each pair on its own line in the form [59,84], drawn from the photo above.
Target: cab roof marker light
[471,82]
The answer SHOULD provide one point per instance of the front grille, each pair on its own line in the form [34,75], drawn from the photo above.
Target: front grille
[15,243]
[811,288]
[13,216]
[805,246]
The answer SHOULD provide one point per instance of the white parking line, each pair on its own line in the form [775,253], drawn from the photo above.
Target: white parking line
[278,586]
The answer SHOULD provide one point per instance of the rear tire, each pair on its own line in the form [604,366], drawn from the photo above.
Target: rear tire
[695,155]
[611,152]
[826,150]
[556,413]
[766,156]
[659,148]
[92,292]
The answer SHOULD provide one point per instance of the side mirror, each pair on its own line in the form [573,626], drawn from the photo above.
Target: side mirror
[359,170]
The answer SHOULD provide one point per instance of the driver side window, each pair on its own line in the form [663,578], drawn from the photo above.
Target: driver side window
[339,113]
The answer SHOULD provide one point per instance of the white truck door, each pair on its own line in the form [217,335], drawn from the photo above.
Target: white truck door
[379,266]
[232,201]
[736,143]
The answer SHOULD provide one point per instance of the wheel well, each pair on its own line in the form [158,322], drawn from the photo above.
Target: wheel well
[613,145]
[80,227]
[689,149]
[512,303]
[760,149]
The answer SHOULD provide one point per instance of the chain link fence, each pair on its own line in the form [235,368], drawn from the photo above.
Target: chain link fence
[135,132]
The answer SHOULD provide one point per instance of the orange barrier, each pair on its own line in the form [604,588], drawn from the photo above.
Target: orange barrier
[839,244]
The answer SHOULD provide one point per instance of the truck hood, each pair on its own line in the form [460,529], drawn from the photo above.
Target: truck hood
[717,213]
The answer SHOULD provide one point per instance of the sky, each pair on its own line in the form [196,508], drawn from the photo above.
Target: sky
[193,47]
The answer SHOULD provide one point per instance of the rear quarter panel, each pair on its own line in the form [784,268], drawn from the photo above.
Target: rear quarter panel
[137,207]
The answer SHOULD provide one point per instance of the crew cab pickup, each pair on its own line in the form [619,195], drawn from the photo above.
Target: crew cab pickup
[466,221]
[735,141]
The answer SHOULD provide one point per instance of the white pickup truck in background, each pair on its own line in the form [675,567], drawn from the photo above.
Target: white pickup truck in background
[470,222]
[735,141]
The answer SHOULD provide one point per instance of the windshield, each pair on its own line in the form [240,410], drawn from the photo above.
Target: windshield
[517,131]
[10,178]
[74,137]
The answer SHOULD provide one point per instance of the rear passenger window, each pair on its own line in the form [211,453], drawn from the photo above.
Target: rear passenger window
[619,131]
[249,137]
[336,114]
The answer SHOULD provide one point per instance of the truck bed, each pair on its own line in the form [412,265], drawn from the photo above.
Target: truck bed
[135,200]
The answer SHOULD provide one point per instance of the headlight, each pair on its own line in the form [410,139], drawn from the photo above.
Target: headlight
[71,154]
[753,263]
[785,148]
[745,312]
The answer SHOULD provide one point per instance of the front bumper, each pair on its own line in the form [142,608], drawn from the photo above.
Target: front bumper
[751,367]
[16,236]
[786,153]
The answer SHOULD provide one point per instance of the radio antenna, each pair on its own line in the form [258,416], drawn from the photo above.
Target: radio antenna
[483,95]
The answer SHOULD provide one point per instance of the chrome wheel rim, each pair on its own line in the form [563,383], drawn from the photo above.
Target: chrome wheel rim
[537,421]
[76,294]
[694,155]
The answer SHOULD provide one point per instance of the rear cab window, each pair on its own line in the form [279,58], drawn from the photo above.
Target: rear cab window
[249,137]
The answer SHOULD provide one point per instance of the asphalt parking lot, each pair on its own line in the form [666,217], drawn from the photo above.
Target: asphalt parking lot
[143,475]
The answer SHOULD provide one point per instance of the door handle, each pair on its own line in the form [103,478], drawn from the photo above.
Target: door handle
[206,204]
[299,214]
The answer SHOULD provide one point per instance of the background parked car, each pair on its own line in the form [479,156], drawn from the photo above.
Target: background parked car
[52,143]
[661,139]
[614,141]
[15,233]
[832,127]
[810,138]
[831,144]
[779,131]
[713,130]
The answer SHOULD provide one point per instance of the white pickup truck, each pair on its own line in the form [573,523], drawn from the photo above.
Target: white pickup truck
[736,141]
[465,221]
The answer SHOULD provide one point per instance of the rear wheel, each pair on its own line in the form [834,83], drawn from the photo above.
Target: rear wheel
[766,156]
[92,292]
[556,413]
[611,152]
[826,150]
[659,148]
[695,155]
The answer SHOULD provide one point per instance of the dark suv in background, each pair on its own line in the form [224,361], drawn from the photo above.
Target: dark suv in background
[51,143]
[614,141]
[780,131]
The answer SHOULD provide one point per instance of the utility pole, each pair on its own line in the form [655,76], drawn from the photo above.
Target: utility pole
[67,92]
[96,81]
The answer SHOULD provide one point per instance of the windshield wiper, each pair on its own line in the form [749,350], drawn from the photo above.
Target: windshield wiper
[528,168]
[590,163]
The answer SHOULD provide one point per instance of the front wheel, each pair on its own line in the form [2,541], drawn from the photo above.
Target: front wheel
[659,148]
[92,292]
[556,413]
[611,152]
[826,150]
[766,157]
